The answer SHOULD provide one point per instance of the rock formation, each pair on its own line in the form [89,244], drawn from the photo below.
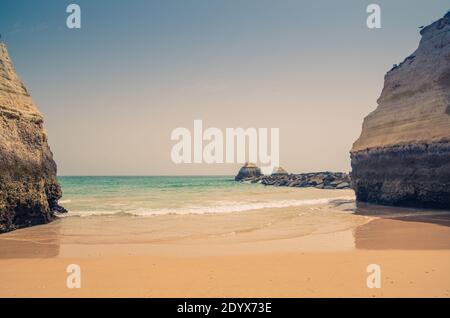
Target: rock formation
[279,171]
[320,180]
[249,170]
[403,154]
[29,191]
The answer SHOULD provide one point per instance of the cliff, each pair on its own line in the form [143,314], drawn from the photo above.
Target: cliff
[403,154]
[29,191]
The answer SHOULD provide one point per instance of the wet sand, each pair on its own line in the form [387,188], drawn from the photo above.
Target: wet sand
[271,259]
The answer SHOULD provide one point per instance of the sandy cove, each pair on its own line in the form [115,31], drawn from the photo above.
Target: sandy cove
[405,274]
[413,252]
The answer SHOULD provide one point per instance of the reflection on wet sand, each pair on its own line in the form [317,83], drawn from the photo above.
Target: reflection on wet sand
[402,228]
[310,251]
[388,228]
[39,242]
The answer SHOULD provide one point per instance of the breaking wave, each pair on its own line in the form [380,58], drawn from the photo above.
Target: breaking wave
[229,207]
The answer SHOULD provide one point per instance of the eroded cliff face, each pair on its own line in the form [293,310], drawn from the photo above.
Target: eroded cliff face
[29,191]
[403,154]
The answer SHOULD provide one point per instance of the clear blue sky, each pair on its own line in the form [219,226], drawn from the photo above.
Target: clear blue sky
[112,92]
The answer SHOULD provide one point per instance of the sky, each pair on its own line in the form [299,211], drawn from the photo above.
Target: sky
[113,91]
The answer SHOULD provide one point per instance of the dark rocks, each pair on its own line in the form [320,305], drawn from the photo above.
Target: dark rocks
[248,171]
[343,185]
[29,191]
[319,180]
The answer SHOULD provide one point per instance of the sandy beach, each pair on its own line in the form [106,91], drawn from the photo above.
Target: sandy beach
[204,149]
[412,248]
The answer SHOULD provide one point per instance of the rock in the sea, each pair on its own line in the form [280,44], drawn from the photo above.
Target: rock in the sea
[319,180]
[403,154]
[248,171]
[29,191]
[279,171]
[343,185]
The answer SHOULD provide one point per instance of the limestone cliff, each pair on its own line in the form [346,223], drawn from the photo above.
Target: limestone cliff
[403,154]
[29,191]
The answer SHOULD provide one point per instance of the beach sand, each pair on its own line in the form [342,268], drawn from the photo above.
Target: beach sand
[249,254]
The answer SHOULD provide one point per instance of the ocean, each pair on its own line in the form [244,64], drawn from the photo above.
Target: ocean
[160,195]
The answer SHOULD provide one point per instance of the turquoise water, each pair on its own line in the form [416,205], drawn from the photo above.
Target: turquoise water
[155,195]
[79,186]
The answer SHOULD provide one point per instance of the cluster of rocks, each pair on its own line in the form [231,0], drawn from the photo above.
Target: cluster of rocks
[280,177]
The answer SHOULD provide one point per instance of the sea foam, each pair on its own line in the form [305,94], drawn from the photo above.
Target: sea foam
[228,207]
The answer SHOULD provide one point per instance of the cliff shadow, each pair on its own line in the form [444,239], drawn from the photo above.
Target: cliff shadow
[399,228]
[42,241]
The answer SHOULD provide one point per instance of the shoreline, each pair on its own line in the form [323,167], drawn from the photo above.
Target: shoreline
[412,250]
